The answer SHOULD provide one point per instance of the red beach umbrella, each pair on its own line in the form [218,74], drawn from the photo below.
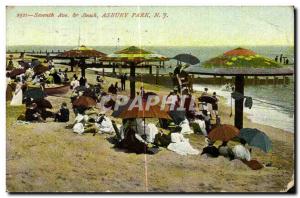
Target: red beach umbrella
[84,101]
[224,132]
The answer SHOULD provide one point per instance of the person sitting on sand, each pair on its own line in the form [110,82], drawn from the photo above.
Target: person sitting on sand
[131,140]
[104,124]
[225,150]
[241,152]
[31,113]
[210,149]
[63,114]
[181,145]
[201,123]
[82,125]
[112,89]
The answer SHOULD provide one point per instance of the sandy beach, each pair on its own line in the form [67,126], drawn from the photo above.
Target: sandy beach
[47,157]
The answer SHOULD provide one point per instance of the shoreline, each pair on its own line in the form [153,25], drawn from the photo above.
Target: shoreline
[257,113]
[223,104]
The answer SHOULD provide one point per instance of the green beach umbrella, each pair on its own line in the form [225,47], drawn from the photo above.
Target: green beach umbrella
[241,58]
[239,63]
[134,55]
[35,93]
[256,138]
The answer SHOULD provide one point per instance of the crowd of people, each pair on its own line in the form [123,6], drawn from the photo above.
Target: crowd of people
[133,134]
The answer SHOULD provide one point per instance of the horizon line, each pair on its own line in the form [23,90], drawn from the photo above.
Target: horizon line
[152,45]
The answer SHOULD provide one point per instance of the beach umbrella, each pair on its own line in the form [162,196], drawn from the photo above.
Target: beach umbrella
[187,58]
[43,103]
[35,63]
[34,93]
[239,63]
[177,116]
[154,111]
[16,72]
[81,88]
[207,99]
[24,64]
[81,53]
[224,132]
[39,69]
[256,138]
[84,101]
[134,55]
[148,94]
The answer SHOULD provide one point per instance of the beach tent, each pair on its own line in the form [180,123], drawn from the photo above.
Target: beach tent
[81,53]
[256,138]
[134,55]
[239,63]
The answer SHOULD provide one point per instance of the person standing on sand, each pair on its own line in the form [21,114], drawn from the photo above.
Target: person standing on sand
[205,93]
[74,83]
[287,61]
[82,81]
[215,104]
[123,81]
[177,77]
[117,87]
[18,95]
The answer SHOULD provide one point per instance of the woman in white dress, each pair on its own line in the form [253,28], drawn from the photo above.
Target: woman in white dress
[18,95]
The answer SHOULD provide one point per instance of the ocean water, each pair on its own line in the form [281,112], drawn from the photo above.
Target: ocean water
[272,105]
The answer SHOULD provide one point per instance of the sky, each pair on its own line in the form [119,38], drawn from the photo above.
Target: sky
[183,26]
